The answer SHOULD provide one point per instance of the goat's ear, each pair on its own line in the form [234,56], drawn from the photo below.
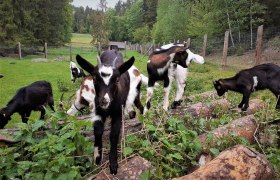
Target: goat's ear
[87,66]
[126,65]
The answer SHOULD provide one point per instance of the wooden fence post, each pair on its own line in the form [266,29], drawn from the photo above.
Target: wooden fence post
[204,45]
[259,45]
[125,46]
[189,42]
[225,51]
[46,50]
[71,52]
[99,47]
[19,50]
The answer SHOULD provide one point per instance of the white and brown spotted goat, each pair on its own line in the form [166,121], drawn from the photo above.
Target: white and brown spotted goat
[112,84]
[168,63]
[85,95]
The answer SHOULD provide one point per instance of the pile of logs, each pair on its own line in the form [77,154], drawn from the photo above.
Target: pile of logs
[238,162]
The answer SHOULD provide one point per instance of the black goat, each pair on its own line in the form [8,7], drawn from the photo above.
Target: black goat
[112,84]
[264,76]
[29,98]
[75,72]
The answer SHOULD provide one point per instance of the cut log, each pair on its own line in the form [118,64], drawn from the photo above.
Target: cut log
[130,170]
[255,105]
[243,127]
[204,95]
[199,110]
[239,162]
[4,141]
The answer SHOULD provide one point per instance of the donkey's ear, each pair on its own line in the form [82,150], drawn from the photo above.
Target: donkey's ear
[87,66]
[125,66]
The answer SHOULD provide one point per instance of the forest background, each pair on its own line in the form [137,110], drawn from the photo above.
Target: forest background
[138,21]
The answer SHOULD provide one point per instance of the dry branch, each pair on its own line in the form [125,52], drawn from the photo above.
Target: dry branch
[239,162]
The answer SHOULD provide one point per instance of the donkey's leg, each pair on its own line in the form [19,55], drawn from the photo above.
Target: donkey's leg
[180,76]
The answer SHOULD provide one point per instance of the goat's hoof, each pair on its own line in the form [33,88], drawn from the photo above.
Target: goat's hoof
[98,160]
[240,105]
[244,108]
[175,104]
[114,168]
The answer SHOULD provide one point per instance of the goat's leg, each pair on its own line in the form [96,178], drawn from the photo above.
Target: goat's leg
[180,76]
[25,116]
[137,100]
[98,132]
[242,102]
[246,97]
[51,103]
[150,91]
[276,92]
[43,112]
[114,138]
[167,87]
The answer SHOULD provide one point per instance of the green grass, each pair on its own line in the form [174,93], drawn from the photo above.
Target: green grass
[18,73]
[81,39]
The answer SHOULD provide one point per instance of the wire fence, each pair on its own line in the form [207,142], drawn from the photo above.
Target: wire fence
[238,44]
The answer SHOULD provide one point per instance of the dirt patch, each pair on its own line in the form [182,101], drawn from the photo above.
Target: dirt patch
[270,54]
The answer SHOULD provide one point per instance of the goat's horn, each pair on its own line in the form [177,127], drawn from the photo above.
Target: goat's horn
[98,60]
[4,115]
[114,61]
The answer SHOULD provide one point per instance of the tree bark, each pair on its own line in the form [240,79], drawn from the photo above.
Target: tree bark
[243,127]
[239,162]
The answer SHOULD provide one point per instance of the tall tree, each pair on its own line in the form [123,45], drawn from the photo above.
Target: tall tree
[149,12]
[35,22]
[100,30]
[134,16]
[171,21]
[8,28]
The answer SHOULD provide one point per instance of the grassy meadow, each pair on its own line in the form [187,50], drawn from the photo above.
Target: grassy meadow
[170,158]
[19,73]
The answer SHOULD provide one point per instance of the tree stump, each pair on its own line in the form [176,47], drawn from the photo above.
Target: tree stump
[239,162]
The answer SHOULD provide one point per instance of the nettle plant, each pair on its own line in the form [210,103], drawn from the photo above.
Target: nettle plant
[48,150]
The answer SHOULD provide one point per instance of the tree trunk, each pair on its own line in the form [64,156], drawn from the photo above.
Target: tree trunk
[239,162]
[229,26]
